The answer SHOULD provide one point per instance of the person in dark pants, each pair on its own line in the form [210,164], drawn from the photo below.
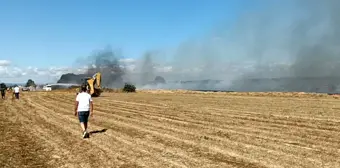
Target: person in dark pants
[3,93]
[16,92]
[83,108]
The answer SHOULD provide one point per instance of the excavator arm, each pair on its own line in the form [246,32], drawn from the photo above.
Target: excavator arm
[94,84]
[98,79]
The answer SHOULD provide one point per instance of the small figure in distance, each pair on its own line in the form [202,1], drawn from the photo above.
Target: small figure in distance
[16,92]
[3,93]
[84,108]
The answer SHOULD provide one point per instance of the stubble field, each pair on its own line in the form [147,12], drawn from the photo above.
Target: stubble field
[172,129]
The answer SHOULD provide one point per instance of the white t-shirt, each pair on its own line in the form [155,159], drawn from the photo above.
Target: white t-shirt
[84,101]
[16,90]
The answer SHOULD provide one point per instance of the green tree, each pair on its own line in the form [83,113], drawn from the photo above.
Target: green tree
[128,87]
[30,82]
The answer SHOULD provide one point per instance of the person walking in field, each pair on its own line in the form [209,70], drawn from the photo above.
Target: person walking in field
[16,92]
[84,108]
[3,93]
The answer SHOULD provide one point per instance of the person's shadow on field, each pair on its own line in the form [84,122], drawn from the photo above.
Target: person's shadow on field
[98,131]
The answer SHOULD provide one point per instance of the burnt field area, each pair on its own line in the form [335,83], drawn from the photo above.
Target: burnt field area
[330,85]
[290,84]
[172,129]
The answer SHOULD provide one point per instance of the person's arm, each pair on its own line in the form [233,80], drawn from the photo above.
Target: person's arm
[91,106]
[76,106]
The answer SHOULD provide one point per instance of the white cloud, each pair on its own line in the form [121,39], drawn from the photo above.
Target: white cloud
[164,69]
[39,75]
[52,74]
[4,63]
[3,71]
[127,60]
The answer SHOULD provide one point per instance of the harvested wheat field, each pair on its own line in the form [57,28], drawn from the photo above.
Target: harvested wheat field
[172,129]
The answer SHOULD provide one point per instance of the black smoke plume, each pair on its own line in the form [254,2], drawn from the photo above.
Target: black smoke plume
[107,62]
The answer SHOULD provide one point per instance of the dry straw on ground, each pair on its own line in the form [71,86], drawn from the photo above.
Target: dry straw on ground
[172,129]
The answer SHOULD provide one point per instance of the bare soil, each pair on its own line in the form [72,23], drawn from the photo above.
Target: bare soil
[172,129]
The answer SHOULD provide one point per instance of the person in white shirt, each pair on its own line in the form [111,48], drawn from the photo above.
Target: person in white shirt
[16,92]
[83,108]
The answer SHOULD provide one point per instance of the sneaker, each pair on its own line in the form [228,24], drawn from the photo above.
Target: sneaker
[84,134]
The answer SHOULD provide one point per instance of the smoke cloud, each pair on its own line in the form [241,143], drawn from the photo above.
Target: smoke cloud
[282,46]
[291,45]
[309,40]
[146,69]
[107,62]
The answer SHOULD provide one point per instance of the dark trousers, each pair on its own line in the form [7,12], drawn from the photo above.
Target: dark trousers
[16,95]
[83,116]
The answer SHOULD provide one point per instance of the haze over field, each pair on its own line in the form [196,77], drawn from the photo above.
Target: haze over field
[295,42]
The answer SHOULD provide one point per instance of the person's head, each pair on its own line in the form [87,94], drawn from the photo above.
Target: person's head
[83,88]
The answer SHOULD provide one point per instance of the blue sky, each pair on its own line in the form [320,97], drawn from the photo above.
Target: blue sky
[43,33]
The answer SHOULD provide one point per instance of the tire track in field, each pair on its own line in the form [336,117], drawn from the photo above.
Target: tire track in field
[125,142]
[325,138]
[17,147]
[269,130]
[289,120]
[74,120]
[328,121]
[79,153]
[196,104]
[292,143]
[274,145]
[18,107]
[235,146]
[224,101]
[137,109]
[266,138]
[238,102]
[227,110]
[163,128]
[138,128]
[110,157]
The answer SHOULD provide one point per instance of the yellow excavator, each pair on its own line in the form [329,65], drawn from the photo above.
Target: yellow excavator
[93,84]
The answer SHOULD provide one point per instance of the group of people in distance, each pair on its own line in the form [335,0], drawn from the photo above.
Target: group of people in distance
[16,92]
